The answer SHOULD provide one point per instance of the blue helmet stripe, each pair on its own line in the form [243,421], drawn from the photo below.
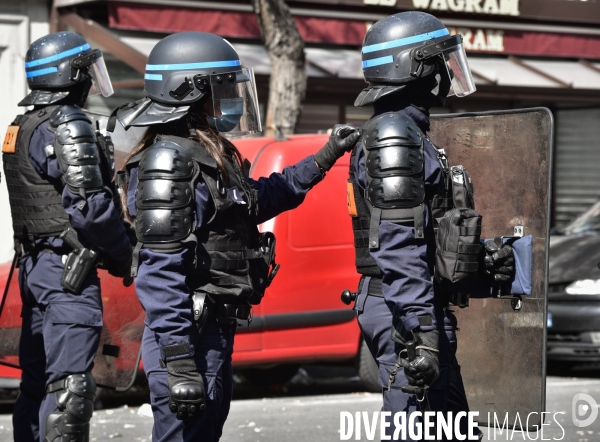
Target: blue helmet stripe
[184,66]
[59,56]
[405,41]
[153,77]
[39,72]
[378,61]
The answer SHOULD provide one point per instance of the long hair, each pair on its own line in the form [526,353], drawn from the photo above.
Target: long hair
[195,127]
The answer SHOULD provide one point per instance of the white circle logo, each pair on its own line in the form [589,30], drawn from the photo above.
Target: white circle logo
[580,410]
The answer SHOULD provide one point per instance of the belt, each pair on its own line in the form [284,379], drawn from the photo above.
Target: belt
[374,288]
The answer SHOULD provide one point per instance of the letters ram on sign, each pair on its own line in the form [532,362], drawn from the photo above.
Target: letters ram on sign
[492,7]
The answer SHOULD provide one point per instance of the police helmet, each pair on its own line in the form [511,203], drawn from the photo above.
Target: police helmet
[408,47]
[189,67]
[57,62]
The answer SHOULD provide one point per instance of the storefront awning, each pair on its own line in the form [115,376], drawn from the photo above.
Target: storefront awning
[487,70]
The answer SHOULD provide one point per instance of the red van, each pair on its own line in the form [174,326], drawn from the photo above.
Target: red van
[301,318]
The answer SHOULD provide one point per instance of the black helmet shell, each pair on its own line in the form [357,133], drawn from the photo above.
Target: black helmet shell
[48,61]
[177,59]
[387,46]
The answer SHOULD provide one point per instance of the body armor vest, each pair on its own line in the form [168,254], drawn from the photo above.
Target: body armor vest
[232,256]
[395,169]
[393,147]
[35,203]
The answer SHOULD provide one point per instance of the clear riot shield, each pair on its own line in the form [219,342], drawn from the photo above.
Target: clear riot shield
[118,357]
[501,342]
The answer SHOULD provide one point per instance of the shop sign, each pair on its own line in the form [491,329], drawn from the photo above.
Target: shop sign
[488,40]
[492,7]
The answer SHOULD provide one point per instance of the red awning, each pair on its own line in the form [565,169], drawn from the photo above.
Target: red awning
[240,24]
[158,18]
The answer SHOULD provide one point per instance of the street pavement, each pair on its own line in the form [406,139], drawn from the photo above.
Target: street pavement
[309,411]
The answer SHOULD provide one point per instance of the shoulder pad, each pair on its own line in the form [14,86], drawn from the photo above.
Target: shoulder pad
[194,150]
[391,129]
[394,162]
[67,113]
[165,159]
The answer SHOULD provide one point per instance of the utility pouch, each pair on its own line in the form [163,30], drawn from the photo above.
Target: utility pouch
[457,245]
[78,264]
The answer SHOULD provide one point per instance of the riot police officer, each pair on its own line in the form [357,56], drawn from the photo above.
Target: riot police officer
[400,193]
[200,261]
[62,213]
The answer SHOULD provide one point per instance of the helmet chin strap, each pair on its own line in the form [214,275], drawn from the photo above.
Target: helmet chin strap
[78,93]
[443,86]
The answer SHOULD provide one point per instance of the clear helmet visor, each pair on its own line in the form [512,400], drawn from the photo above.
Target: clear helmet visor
[236,112]
[100,79]
[459,71]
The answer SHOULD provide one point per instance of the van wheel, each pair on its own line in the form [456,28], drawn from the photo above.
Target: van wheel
[367,369]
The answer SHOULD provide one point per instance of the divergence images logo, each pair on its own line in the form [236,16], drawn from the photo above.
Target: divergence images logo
[581,409]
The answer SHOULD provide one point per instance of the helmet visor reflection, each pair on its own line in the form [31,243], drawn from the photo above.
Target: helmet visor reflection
[236,110]
[459,71]
[100,79]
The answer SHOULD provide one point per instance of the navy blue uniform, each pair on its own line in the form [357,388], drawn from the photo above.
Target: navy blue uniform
[61,330]
[408,292]
[162,290]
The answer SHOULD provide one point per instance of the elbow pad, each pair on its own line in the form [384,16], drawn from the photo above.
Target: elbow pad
[76,150]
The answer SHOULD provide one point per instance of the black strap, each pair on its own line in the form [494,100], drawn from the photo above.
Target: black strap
[470,231]
[122,178]
[360,224]
[374,228]
[135,258]
[30,189]
[419,221]
[374,289]
[57,385]
[37,202]
[174,350]
[469,249]
[361,242]
[467,267]
[38,216]
[112,119]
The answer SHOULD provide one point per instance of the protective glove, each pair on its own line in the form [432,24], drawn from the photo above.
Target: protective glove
[499,261]
[121,269]
[424,370]
[342,139]
[186,390]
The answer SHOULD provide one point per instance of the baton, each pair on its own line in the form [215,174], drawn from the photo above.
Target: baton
[10,274]
[422,398]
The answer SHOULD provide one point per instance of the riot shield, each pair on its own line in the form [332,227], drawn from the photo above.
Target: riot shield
[118,356]
[502,340]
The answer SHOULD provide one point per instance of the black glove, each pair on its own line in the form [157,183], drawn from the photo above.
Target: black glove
[121,269]
[186,390]
[425,368]
[342,139]
[499,261]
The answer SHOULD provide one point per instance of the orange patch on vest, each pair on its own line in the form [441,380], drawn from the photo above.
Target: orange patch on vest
[351,202]
[10,139]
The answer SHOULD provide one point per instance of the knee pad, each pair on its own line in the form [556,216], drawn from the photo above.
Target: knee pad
[74,396]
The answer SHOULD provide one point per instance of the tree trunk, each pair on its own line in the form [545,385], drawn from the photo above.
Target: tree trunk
[287,85]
